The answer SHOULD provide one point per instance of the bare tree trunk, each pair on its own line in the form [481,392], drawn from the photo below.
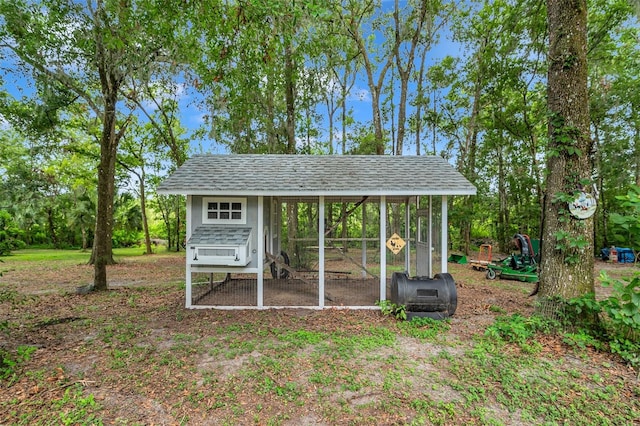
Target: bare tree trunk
[344,234]
[290,98]
[292,232]
[503,207]
[404,72]
[468,159]
[85,243]
[567,253]
[145,222]
[419,104]
[102,248]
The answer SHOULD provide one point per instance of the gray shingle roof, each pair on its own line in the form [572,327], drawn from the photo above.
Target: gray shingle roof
[220,235]
[328,175]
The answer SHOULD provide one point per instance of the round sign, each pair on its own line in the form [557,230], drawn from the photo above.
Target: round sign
[583,206]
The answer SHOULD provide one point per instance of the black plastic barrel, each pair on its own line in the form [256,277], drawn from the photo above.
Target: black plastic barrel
[435,297]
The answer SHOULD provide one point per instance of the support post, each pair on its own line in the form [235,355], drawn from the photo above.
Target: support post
[383,248]
[321,251]
[407,236]
[260,257]
[364,239]
[430,237]
[445,226]
[188,292]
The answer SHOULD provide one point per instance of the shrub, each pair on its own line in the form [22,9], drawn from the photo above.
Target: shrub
[9,234]
[617,318]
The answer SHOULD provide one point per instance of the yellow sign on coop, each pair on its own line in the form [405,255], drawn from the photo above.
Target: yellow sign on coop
[395,243]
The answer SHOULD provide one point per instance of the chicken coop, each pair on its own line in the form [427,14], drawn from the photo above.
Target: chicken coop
[305,231]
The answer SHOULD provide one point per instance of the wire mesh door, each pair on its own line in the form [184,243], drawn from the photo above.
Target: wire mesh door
[291,278]
[352,253]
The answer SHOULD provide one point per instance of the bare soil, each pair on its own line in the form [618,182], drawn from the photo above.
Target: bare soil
[148,360]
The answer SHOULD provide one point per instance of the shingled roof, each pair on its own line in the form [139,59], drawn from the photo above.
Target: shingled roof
[315,175]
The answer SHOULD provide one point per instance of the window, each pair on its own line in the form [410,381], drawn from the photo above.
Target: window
[224,210]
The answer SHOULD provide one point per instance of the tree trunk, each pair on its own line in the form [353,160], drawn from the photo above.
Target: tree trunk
[83,231]
[420,102]
[405,72]
[504,222]
[290,98]
[567,253]
[102,249]
[178,225]
[52,227]
[292,232]
[344,231]
[143,209]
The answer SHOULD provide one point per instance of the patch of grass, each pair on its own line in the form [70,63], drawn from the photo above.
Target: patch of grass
[531,388]
[433,413]
[424,328]
[302,338]
[350,346]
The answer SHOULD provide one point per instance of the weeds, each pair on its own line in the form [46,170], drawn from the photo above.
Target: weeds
[10,362]
[614,321]
[519,329]
[391,309]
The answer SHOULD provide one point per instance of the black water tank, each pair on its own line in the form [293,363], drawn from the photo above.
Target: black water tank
[425,297]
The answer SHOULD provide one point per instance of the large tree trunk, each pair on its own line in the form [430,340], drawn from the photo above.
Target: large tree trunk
[567,251]
[102,249]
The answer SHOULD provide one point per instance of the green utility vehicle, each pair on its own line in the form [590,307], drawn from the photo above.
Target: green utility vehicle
[521,267]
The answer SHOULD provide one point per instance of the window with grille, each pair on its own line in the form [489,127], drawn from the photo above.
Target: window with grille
[224,210]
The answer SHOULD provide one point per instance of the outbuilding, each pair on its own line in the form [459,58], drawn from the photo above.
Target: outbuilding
[312,231]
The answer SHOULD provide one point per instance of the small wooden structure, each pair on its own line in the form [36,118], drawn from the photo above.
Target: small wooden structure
[311,231]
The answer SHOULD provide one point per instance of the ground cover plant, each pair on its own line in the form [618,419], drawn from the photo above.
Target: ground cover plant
[133,355]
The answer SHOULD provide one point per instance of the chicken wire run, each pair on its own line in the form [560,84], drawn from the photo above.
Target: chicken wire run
[351,258]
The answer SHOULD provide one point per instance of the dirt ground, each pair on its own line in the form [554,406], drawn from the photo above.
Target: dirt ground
[71,333]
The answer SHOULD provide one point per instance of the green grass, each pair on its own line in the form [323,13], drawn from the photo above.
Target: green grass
[71,256]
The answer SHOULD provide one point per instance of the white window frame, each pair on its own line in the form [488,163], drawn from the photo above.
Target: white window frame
[231,201]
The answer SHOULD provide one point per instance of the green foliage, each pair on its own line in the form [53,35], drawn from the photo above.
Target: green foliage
[566,137]
[520,330]
[9,234]
[123,238]
[391,309]
[615,320]
[76,409]
[626,227]
[10,362]
[571,245]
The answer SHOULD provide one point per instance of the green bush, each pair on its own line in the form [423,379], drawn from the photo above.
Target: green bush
[10,234]
[615,320]
[123,238]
